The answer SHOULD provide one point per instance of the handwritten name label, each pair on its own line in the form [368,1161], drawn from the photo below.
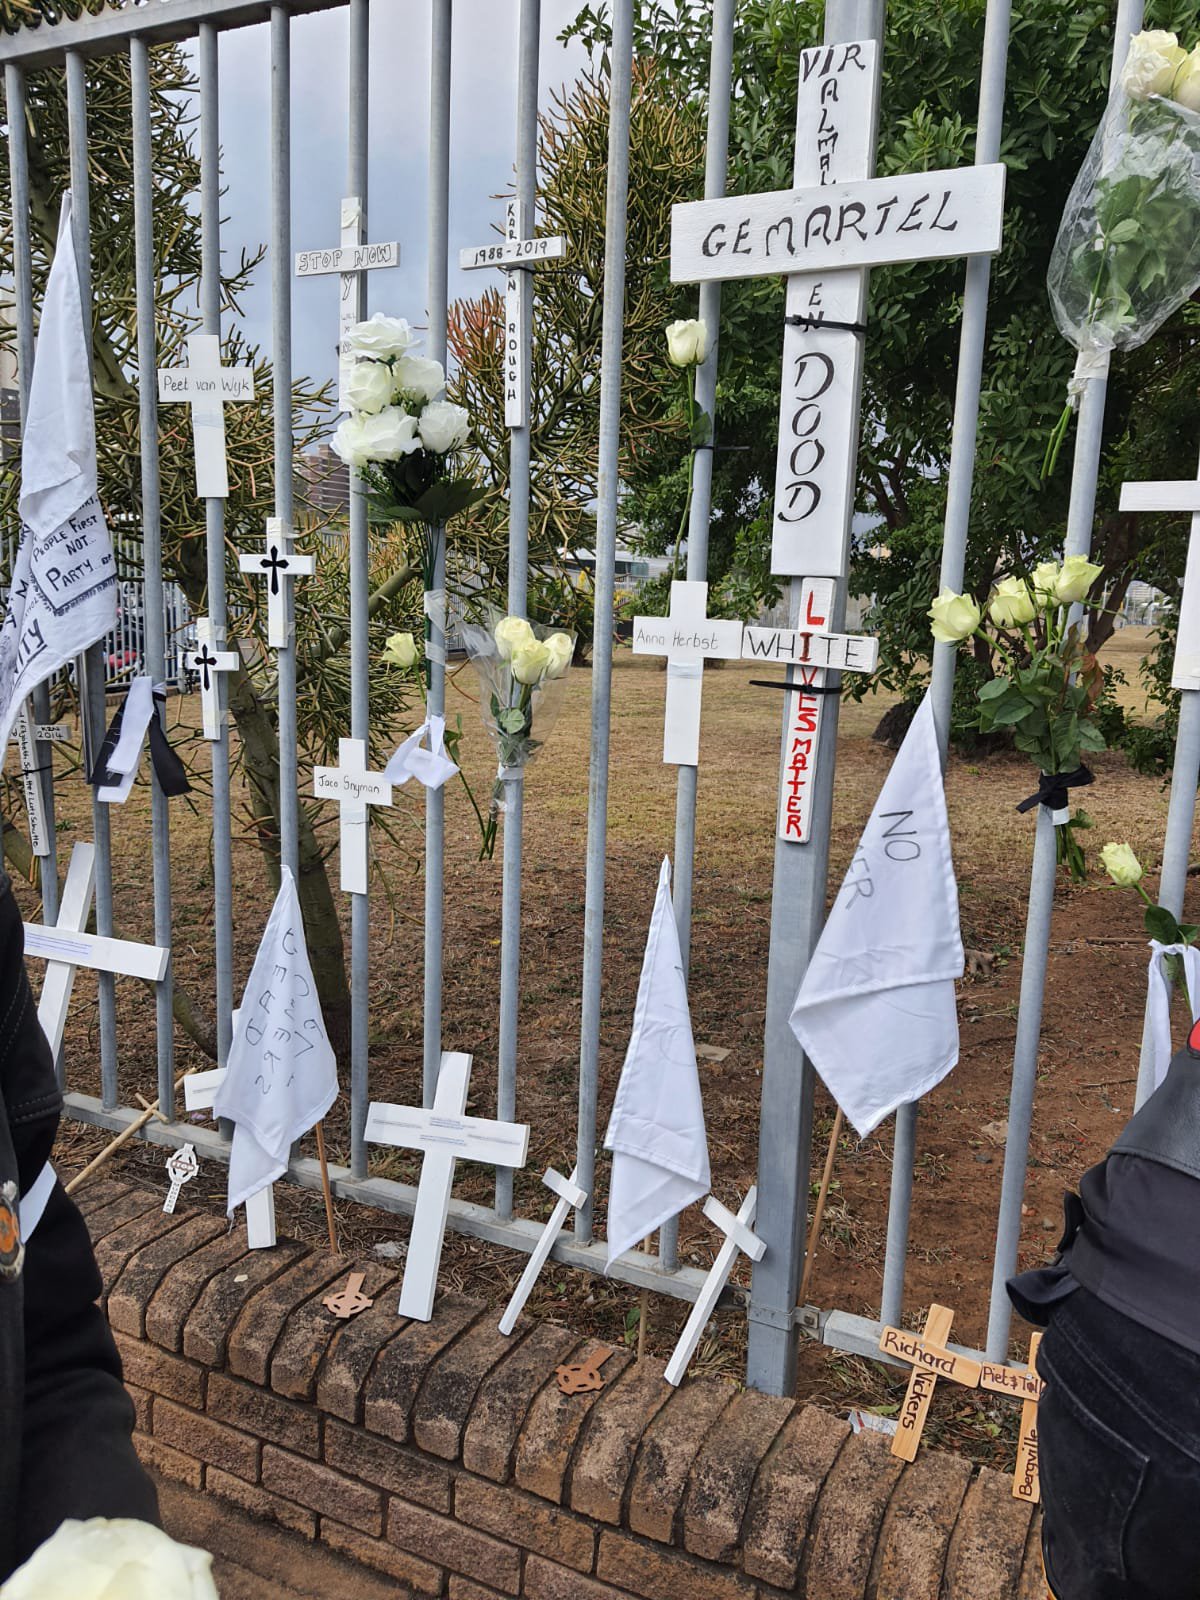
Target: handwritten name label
[1008,1380]
[334,783]
[931,1358]
[513,252]
[347,258]
[231,383]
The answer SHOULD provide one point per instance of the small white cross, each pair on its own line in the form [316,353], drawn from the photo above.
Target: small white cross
[569,1194]
[355,789]
[739,1235]
[207,385]
[350,258]
[1178,497]
[445,1136]
[182,1167]
[687,636]
[207,662]
[516,256]
[280,564]
[199,1092]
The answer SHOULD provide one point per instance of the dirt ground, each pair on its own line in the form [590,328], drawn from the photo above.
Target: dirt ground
[1087,1067]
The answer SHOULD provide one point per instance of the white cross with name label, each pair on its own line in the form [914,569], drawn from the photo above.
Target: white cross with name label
[517,256]
[279,564]
[351,258]
[569,1194]
[208,386]
[1177,497]
[65,947]
[207,662]
[445,1136]
[199,1092]
[739,1235]
[355,789]
[687,636]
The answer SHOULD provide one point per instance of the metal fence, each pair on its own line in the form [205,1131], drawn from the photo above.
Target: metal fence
[775,1319]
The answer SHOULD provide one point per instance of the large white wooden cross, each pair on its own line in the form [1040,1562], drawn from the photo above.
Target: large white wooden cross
[66,946]
[355,789]
[207,662]
[687,636]
[1185,496]
[279,563]
[445,1136]
[739,1235]
[207,385]
[350,258]
[516,255]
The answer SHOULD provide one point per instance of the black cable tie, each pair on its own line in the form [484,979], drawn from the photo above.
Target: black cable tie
[28,772]
[816,324]
[799,688]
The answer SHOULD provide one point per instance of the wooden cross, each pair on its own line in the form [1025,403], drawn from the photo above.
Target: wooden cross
[739,1235]
[208,662]
[688,637]
[199,1092]
[930,1360]
[66,947]
[207,386]
[517,256]
[280,563]
[351,258]
[355,790]
[25,733]
[569,1194]
[1185,496]
[1012,1381]
[445,1136]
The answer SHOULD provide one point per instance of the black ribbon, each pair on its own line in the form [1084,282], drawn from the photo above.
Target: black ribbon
[168,768]
[798,688]
[1052,789]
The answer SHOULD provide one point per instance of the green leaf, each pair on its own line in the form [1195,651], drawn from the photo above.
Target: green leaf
[1161,925]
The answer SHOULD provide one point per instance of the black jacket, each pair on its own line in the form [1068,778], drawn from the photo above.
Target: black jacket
[65,1420]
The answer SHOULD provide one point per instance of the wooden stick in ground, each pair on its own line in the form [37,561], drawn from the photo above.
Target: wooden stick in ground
[644,1307]
[325,1189]
[814,1233]
[122,1138]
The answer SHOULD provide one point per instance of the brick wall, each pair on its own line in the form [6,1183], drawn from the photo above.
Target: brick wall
[443,1455]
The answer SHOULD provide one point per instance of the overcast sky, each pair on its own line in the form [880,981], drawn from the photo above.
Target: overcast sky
[483,142]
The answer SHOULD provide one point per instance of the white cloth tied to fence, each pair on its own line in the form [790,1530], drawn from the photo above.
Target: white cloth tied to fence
[1158,999]
[432,767]
[126,757]
[656,1131]
[63,595]
[282,1073]
[876,1010]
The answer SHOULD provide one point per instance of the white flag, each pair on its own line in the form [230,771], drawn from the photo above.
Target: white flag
[876,1010]
[282,1073]
[656,1131]
[64,584]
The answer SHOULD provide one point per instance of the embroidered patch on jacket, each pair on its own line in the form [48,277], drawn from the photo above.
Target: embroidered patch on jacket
[12,1251]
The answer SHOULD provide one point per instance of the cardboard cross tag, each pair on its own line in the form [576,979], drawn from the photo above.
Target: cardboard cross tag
[582,1377]
[930,1360]
[349,1300]
[1027,1385]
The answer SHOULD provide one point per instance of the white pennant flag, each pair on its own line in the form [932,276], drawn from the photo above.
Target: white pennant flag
[64,584]
[876,1010]
[656,1131]
[282,1073]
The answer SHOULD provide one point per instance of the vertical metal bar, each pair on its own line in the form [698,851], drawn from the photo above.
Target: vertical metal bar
[529,39]
[214,524]
[435,800]
[91,663]
[358,26]
[960,482]
[720,82]
[153,619]
[608,488]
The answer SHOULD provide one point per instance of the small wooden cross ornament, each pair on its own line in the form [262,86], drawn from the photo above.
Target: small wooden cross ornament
[182,1167]
[1009,1380]
[930,1360]
[582,1377]
[349,1301]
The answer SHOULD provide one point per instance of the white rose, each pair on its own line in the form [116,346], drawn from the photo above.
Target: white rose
[1012,604]
[561,647]
[444,426]
[954,617]
[687,342]
[1045,578]
[419,377]
[1186,87]
[1122,866]
[1150,67]
[1076,578]
[369,386]
[349,441]
[390,434]
[400,650]
[510,634]
[380,337]
[117,1559]
[530,662]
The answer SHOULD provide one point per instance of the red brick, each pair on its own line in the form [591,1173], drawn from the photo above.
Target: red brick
[444,1402]
[211,1441]
[115,1249]
[263,1507]
[619,1419]
[988,1543]
[264,1320]
[133,1290]
[311,1328]
[423,1578]
[785,1495]
[322,1490]
[525,1521]
[400,1370]
[671,1444]
[143,1401]
[387,1466]
[657,1574]
[845,1528]
[505,1397]
[448,1543]
[244,1406]
[554,1424]
[164,1374]
[172,1302]
[226,1294]
[545,1580]
[724,1472]
[342,1378]
[910,1557]
[168,1463]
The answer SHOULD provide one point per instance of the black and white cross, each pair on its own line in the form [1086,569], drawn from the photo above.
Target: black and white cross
[280,564]
[208,661]
[350,259]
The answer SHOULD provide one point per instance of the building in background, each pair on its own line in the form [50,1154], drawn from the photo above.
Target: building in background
[323,483]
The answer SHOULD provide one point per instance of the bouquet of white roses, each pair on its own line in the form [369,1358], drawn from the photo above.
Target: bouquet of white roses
[522,670]
[112,1559]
